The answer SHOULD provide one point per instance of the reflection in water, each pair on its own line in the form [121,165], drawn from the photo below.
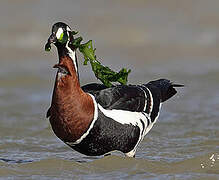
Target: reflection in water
[15,161]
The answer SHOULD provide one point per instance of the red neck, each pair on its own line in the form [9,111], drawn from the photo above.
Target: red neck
[72,110]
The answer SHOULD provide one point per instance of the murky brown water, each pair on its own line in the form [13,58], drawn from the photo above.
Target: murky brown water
[178,40]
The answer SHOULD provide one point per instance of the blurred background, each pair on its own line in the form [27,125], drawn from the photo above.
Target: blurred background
[178,40]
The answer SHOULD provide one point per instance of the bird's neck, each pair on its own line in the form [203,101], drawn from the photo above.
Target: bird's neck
[72,110]
[68,50]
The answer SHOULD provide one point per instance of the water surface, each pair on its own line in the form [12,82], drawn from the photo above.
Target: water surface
[171,40]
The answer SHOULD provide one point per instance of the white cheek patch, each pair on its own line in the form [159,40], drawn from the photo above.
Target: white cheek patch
[59,32]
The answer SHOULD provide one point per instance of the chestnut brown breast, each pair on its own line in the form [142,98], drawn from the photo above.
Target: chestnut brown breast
[72,110]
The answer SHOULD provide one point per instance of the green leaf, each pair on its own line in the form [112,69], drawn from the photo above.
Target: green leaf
[87,50]
[106,75]
[77,42]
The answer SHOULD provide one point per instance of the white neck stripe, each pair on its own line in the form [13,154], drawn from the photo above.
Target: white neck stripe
[72,54]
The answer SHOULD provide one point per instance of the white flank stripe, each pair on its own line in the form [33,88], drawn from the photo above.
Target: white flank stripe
[152,103]
[149,127]
[127,117]
[131,153]
[91,126]
[122,116]
[145,102]
[158,113]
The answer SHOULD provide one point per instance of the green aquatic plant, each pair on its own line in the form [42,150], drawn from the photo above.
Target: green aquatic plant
[106,75]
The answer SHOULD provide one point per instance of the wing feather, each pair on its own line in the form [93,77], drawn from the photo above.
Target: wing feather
[130,97]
